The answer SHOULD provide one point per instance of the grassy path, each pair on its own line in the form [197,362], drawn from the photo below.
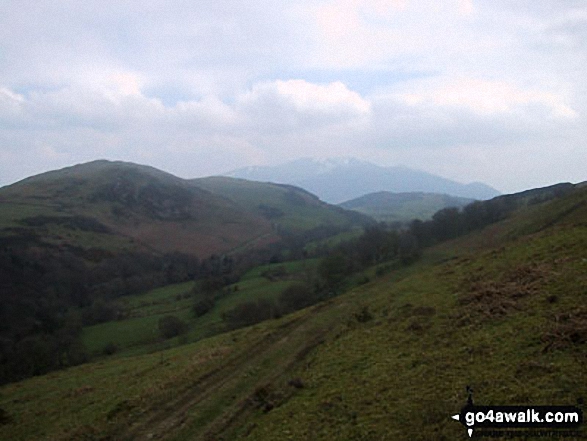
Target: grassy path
[253,379]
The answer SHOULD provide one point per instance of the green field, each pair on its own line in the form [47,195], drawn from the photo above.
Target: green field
[139,332]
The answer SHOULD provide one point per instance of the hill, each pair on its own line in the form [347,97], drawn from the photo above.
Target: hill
[403,207]
[502,310]
[75,240]
[339,180]
[117,206]
[289,207]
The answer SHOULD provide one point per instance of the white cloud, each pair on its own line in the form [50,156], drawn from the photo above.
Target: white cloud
[204,86]
[302,96]
[489,97]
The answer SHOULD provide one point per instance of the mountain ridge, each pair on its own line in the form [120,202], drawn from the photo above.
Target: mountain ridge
[337,181]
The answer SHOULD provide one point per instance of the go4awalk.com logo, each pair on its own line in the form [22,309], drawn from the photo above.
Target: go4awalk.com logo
[504,421]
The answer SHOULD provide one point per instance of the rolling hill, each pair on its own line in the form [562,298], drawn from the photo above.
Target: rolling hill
[403,207]
[117,206]
[339,180]
[291,208]
[502,310]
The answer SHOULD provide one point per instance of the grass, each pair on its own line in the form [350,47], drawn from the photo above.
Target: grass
[139,333]
[299,211]
[502,311]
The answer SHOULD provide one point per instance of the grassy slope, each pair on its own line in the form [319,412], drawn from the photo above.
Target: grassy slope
[139,333]
[504,311]
[144,208]
[299,209]
[403,207]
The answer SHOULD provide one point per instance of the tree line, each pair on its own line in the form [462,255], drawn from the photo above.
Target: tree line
[384,243]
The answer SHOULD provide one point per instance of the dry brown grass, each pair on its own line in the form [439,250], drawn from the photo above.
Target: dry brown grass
[568,329]
[491,298]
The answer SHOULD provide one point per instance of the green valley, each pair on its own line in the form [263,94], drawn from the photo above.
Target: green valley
[501,309]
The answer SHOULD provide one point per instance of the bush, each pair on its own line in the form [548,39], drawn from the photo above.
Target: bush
[296,297]
[110,348]
[249,313]
[99,312]
[203,306]
[172,326]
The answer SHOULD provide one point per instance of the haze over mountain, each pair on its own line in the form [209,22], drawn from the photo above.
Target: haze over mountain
[339,180]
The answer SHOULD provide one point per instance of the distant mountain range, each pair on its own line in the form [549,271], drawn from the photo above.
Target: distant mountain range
[339,180]
[403,207]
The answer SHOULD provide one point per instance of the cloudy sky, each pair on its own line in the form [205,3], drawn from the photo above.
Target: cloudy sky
[472,90]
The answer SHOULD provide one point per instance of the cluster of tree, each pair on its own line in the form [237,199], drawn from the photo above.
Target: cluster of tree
[43,287]
[379,243]
[297,296]
[449,223]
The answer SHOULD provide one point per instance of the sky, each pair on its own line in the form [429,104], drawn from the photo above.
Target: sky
[471,90]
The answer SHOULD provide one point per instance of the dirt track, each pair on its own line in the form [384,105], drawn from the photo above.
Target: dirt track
[227,393]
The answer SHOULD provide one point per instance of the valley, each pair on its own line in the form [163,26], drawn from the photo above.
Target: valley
[349,332]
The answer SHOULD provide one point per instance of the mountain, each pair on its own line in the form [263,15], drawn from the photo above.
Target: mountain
[501,310]
[117,206]
[403,207]
[288,207]
[339,180]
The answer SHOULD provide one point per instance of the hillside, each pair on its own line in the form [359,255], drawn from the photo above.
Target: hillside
[503,310]
[289,207]
[116,206]
[339,180]
[402,207]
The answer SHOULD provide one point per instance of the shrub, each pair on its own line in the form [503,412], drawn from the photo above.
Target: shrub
[296,297]
[249,313]
[110,348]
[172,326]
[203,306]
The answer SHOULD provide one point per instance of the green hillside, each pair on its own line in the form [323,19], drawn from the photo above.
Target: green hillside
[290,208]
[137,332]
[117,206]
[503,310]
[390,207]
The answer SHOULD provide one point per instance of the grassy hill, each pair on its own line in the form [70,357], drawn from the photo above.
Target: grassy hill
[117,206]
[290,208]
[503,310]
[403,207]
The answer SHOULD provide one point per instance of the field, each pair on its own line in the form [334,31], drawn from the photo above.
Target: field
[139,332]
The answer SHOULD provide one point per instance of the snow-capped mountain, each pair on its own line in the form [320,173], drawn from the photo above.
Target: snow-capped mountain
[338,180]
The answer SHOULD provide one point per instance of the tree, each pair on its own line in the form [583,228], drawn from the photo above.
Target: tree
[172,326]
[249,313]
[409,251]
[332,269]
[203,306]
[297,296]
